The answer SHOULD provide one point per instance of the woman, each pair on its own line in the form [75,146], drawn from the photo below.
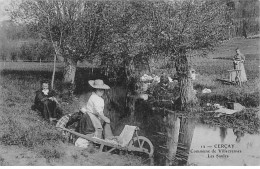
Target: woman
[238,62]
[95,106]
[46,103]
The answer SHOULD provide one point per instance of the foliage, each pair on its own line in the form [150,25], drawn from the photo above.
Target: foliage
[243,17]
[36,51]
[75,25]
[29,50]
[192,25]
[16,31]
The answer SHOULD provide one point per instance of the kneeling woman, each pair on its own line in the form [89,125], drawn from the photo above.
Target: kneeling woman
[88,119]
[95,106]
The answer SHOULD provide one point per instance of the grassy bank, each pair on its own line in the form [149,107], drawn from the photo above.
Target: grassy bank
[22,128]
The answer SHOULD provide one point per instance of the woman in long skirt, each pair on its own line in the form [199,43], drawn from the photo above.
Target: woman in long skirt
[238,62]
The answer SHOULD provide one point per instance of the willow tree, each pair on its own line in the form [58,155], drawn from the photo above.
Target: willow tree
[74,27]
[183,29]
[129,44]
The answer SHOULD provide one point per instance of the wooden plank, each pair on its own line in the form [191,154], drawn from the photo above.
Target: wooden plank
[104,143]
[111,150]
[95,140]
[101,147]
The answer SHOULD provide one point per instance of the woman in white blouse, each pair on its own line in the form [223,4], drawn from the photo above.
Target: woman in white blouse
[95,106]
[238,61]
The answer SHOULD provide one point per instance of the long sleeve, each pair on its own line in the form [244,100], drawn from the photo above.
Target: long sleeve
[39,97]
[83,100]
[243,57]
[99,105]
[74,118]
[52,93]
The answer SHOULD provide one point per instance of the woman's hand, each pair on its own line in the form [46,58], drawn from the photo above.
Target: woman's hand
[83,110]
[107,120]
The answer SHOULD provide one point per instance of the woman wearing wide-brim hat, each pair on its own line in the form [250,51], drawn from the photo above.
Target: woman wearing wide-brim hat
[95,106]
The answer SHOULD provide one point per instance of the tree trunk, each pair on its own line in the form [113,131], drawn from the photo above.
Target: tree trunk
[58,51]
[53,73]
[187,95]
[173,126]
[187,126]
[132,101]
[186,101]
[130,91]
[58,56]
[69,78]
[244,28]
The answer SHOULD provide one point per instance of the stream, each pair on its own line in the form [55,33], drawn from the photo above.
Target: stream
[218,146]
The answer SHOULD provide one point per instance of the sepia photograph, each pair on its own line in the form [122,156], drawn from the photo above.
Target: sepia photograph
[129,83]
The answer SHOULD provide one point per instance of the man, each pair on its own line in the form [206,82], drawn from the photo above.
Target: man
[46,103]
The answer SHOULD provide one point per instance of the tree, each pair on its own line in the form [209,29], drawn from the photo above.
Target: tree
[74,27]
[182,29]
[245,13]
[178,29]
[243,16]
[128,44]
[185,27]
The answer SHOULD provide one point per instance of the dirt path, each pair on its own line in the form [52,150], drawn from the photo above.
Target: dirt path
[18,156]
[12,155]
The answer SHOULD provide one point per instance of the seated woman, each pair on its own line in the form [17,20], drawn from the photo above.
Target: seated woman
[46,103]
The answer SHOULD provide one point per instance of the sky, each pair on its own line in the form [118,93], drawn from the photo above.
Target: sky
[3,5]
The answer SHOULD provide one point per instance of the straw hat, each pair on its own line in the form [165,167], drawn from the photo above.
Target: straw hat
[98,84]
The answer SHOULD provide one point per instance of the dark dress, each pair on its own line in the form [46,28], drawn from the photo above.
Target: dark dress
[82,122]
[48,108]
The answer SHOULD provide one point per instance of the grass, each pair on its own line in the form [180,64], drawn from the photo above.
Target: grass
[22,127]
[19,124]
[247,94]
[215,67]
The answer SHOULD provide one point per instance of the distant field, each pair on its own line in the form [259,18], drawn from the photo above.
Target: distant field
[33,66]
[217,63]
[29,66]
[227,48]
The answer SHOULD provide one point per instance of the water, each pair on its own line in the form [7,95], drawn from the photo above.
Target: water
[243,151]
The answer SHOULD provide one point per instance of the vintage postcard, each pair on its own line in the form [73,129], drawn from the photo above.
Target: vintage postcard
[129,83]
